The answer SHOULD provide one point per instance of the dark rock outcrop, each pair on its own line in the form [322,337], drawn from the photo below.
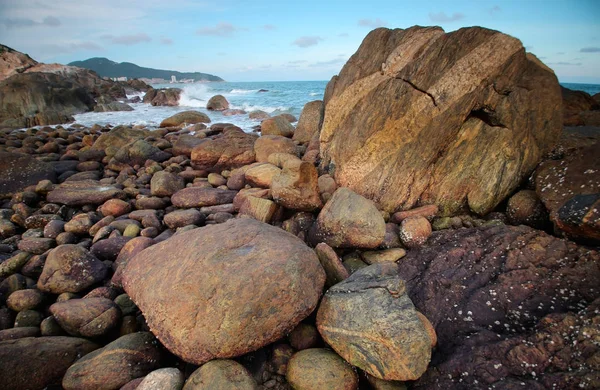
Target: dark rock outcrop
[20,170]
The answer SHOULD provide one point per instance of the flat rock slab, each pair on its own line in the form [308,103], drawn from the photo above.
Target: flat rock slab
[20,170]
[201,197]
[224,290]
[83,192]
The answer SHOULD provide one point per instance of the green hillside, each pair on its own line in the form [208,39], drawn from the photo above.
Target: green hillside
[107,68]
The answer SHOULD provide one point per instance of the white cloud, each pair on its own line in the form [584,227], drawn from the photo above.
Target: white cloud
[307,41]
[222,29]
[128,40]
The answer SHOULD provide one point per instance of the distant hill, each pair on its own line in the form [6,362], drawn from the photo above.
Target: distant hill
[107,68]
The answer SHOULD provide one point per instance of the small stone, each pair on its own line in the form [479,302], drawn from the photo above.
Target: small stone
[221,374]
[304,336]
[383,256]
[318,368]
[414,231]
[28,318]
[334,269]
[24,299]
[162,379]
[90,317]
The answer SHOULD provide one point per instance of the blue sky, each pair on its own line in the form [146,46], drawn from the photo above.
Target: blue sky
[260,40]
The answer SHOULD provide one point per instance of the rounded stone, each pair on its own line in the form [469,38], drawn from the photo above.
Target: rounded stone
[318,368]
[224,290]
[24,299]
[414,231]
[162,379]
[90,317]
[221,374]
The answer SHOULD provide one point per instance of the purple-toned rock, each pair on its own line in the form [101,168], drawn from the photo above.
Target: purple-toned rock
[80,193]
[200,197]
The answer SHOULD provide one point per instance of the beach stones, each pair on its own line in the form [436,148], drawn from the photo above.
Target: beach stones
[269,144]
[310,121]
[128,357]
[163,379]
[89,317]
[296,187]
[166,183]
[233,149]
[185,117]
[414,231]
[118,137]
[276,125]
[370,321]
[257,283]
[37,362]
[217,103]
[20,170]
[79,193]
[221,374]
[137,152]
[318,368]
[200,197]
[419,116]
[349,220]
[70,268]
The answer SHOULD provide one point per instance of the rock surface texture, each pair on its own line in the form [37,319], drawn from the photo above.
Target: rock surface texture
[206,297]
[481,287]
[418,116]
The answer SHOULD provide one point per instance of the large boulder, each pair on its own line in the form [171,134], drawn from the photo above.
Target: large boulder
[576,104]
[233,149]
[277,125]
[570,190]
[112,106]
[296,187]
[349,220]
[269,144]
[224,290]
[166,97]
[370,321]
[217,103]
[310,121]
[117,138]
[37,362]
[481,286]
[185,117]
[20,170]
[457,119]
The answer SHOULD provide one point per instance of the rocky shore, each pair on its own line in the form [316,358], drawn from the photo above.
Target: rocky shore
[432,223]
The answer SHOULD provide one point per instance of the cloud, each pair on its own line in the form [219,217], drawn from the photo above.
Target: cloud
[269,27]
[372,23]
[307,41]
[495,9]
[441,17]
[55,49]
[51,21]
[222,29]
[590,50]
[128,40]
[166,41]
[565,63]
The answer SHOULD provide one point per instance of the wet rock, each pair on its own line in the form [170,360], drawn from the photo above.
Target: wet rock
[371,322]
[296,188]
[319,368]
[37,362]
[70,268]
[349,220]
[185,117]
[118,137]
[217,103]
[427,159]
[90,317]
[525,208]
[128,357]
[266,305]
[221,374]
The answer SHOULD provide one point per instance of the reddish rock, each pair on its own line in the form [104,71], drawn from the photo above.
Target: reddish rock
[428,211]
[129,250]
[90,317]
[199,197]
[526,208]
[115,207]
[79,193]
[296,188]
[217,103]
[185,117]
[269,144]
[318,368]
[232,149]
[310,121]
[221,374]
[414,231]
[277,125]
[239,308]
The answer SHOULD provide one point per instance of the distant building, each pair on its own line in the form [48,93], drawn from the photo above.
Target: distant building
[173,79]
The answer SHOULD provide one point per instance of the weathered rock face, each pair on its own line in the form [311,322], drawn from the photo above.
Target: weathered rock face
[13,62]
[20,170]
[475,284]
[456,119]
[575,104]
[310,121]
[36,362]
[570,190]
[349,220]
[232,150]
[371,322]
[189,117]
[224,290]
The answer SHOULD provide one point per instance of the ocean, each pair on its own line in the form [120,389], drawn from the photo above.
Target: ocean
[276,98]
[272,97]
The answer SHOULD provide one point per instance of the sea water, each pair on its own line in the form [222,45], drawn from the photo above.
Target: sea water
[271,97]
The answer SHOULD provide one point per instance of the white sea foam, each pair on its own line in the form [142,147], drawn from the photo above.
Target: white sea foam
[314,93]
[252,107]
[242,91]
[194,95]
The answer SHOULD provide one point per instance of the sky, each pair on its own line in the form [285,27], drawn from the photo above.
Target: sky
[264,40]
